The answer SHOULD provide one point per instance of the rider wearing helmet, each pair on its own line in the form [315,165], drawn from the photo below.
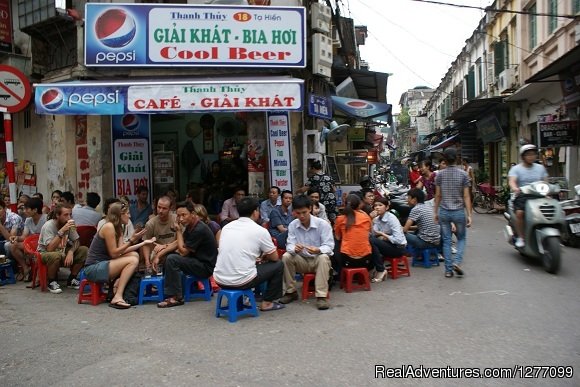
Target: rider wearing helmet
[526,172]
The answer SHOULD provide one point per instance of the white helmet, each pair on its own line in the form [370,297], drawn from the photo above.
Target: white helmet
[527,147]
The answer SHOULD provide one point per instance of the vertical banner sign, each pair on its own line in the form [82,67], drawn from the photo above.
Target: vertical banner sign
[5,26]
[279,145]
[131,154]
[83,172]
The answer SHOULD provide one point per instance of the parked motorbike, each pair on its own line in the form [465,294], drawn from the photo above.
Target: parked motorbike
[543,222]
[396,193]
[571,208]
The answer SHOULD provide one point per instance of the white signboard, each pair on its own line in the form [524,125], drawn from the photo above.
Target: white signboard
[279,142]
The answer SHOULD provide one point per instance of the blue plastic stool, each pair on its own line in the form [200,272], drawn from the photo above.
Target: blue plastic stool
[146,291]
[426,254]
[191,288]
[235,306]
[7,274]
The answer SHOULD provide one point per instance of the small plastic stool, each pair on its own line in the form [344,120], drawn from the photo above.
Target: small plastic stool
[94,294]
[146,291]
[347,276]
[235,307]
[308,289]
[192,288]
[395,270]
[425,254]
[7,274]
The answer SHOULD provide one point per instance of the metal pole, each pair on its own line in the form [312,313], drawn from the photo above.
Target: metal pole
[10,171]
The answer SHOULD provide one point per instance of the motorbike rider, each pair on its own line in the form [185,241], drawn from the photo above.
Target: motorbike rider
[524,173]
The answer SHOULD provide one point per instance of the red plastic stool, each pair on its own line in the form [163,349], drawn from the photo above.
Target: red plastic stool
[308,289]
[95,295]
[347,276]
[395,270]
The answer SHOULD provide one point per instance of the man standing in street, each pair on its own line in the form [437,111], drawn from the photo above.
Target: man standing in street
[308,249]
[247,256]
[452,199]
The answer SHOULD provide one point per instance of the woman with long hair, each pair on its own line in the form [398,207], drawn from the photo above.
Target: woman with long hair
[353,231]
[110,256]
[201,212]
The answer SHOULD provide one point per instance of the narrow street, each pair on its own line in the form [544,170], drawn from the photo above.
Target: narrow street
[506,311]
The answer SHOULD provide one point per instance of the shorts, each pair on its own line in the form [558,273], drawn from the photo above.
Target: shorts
[520,201]
[97,272]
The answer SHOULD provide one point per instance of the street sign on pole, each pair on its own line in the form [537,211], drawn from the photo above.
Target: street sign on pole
[15,90]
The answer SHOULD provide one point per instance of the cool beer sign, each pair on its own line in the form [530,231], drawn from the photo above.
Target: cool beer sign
[193,35]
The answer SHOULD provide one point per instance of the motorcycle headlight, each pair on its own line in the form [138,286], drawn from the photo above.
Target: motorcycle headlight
[542,188]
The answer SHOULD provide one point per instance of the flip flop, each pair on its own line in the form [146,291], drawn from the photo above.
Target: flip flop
[167,303]
[120,305]
[275,306]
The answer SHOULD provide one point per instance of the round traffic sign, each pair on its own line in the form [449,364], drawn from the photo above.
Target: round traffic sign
[15,90]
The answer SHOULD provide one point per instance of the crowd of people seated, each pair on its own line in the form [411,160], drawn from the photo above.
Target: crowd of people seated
[240,249]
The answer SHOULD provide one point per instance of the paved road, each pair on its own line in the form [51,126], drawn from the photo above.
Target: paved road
[505,312]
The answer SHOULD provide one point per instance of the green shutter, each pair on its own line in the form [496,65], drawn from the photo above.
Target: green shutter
[470,81]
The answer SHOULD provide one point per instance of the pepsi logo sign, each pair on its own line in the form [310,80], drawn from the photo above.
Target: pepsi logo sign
[52,99]
[359,104]
[130,122]
[115,28]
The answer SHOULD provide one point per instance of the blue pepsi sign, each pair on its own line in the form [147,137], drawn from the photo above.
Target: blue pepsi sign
[79,100]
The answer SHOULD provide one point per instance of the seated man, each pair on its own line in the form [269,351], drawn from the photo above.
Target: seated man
[141,210]
[280,218]
[195,254]
[421,218]
[269,204]
[247,257]
[35,219]
[87,215]
[160,227]
[230,207]
[308,250]
[314,196]
[59,245]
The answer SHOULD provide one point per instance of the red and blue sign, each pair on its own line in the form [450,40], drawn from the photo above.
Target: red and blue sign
[194,35]
[85,100]
[360,108]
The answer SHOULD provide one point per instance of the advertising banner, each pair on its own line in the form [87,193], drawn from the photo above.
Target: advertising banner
[558,133]
[213,95]
[279,143]
[5,26]
[194,35]
[131,165]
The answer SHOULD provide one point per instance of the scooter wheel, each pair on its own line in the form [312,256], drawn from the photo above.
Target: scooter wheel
[551,257]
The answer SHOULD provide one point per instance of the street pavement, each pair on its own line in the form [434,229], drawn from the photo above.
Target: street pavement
[505,312]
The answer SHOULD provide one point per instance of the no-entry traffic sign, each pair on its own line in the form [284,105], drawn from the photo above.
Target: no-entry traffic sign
[15,90]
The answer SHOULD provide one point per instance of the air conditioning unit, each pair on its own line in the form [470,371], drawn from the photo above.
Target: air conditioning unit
[321,55]
[320,18]
[336,39]
[505,80]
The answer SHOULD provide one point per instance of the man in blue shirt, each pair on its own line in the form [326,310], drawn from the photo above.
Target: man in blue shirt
[269,204]
[141,210]
[280,218]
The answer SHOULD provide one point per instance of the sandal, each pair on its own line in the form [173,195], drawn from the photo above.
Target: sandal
[20,276]
[170,302]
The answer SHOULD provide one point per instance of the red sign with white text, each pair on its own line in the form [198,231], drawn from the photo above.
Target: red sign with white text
[5,26]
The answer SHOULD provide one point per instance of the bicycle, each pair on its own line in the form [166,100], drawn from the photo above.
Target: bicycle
[488,199]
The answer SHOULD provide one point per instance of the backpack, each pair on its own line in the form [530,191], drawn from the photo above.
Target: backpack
[131,292]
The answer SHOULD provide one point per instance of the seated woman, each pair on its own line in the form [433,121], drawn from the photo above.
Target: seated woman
[201,212]
[388,239]
[110,256]
[353,230]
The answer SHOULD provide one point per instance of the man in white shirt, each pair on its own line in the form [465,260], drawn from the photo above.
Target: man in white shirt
[308,249]
[247,256]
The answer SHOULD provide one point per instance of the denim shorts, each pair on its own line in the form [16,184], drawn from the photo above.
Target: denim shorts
[97,272]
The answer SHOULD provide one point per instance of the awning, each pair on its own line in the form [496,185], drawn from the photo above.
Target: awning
[360,108]
[562,64]
[532,92]
[370,85]
[443,144]
[475,108]
[171,95]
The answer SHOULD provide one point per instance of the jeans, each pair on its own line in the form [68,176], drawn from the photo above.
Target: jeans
[175,264]
[457,217]
[414,241]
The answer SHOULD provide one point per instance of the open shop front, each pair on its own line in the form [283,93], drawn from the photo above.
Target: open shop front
[204,137]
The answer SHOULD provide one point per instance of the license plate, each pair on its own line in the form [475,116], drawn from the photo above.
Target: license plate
[575,228]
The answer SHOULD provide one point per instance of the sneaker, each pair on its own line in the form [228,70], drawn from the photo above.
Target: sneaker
[520,243]
[288,298]
[322,303]
[453,250]
[440,258]
[54,287]
[458,269]
[74,284]
[448,274]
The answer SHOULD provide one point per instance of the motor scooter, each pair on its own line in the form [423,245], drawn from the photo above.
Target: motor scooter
[571,208]
[543,221]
